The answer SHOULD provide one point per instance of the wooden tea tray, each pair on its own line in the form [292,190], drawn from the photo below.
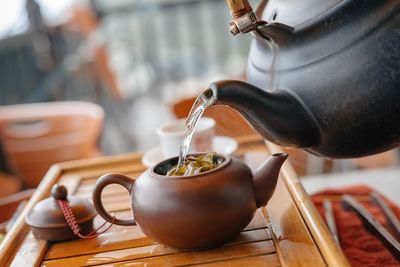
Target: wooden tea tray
[288,232]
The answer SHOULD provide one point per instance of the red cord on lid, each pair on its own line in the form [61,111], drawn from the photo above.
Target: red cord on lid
[69,216]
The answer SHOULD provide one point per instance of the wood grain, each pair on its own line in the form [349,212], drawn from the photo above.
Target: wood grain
[268,260]
[210,256]
[30,252]
[324,240]
[248,243]
[296,245]
[16,235]
[120,237]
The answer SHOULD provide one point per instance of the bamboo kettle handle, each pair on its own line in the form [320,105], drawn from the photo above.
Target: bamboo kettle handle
[239,7]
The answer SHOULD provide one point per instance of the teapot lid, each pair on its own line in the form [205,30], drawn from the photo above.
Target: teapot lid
[48,214]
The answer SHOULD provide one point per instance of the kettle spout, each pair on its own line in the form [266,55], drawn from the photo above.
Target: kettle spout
[266,178]
[279,115]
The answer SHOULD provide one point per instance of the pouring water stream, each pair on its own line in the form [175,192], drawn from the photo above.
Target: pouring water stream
[208,98]
[203,101]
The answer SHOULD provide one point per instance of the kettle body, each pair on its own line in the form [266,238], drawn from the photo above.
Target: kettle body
[341,64]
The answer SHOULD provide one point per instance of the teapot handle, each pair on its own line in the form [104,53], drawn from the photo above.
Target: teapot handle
[102,182]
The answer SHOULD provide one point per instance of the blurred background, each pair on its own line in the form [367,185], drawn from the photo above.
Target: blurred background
[126,62]
[130,62]
[132,57]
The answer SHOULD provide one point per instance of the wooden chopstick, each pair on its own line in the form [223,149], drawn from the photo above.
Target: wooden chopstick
[330,219]
[393,222]
[372,225]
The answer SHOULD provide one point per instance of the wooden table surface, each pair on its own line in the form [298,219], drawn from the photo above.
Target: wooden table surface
[288,232]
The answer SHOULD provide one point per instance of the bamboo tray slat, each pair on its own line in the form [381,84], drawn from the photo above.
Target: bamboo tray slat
[121,237]
[277,236]
[248,241]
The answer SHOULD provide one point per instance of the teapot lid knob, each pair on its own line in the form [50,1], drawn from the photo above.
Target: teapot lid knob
[59,192]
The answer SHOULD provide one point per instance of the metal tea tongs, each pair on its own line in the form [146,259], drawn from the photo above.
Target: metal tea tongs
[330,219]
[372,225]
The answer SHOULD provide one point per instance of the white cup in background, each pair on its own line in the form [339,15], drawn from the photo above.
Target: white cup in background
[171,135]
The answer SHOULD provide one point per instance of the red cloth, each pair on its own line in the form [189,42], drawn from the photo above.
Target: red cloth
[360,247]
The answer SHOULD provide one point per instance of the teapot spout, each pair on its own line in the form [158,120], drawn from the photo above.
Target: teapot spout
[279,115]
[266,178]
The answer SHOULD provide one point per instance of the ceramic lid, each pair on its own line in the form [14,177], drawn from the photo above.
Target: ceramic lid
[47,213]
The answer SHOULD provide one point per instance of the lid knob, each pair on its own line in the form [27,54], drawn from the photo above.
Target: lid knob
[59,192]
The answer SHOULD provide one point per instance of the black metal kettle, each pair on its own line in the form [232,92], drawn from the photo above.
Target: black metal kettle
[336,91]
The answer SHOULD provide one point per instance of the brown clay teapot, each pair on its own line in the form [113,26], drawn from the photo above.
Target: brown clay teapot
[199,211]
